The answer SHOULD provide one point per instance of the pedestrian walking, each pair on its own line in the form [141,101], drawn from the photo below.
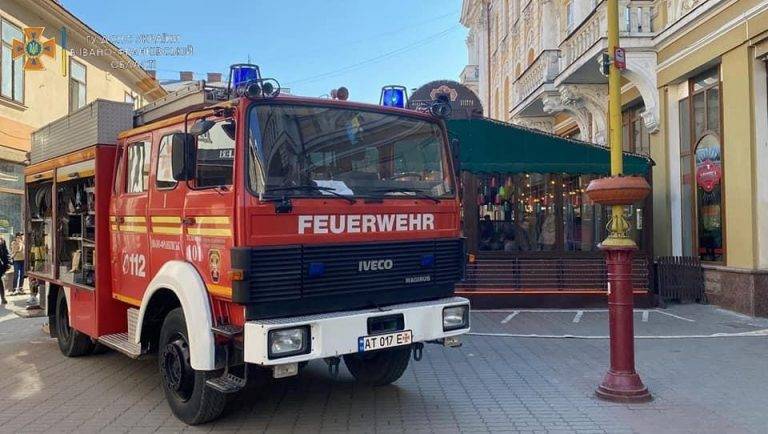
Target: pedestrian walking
[5,264]
[17,256]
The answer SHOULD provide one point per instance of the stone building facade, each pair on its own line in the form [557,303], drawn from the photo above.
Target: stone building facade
[694,100]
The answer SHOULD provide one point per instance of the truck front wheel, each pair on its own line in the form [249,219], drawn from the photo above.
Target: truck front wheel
[190,400]
[378,368]
[72,343]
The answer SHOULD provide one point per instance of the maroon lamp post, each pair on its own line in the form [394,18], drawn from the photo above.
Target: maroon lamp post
[621,383]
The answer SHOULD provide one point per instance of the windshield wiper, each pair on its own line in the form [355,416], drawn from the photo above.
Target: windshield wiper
[414,192]
[309,187]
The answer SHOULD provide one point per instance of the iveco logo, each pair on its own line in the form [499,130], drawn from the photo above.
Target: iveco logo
[375,265]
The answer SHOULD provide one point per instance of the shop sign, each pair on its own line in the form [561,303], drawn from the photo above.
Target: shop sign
[708,175]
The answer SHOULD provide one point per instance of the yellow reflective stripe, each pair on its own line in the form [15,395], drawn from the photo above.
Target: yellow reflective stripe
[166,230]
[113,218]
[210,232]
[126,299]
[134,219]
[114,227]
[134,228]
[211,220]
[166,219]
[220,291]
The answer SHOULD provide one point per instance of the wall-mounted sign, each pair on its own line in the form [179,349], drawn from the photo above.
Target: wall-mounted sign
[464,103]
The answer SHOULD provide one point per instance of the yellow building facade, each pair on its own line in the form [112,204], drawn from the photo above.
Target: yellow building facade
[694,100]
[76,66]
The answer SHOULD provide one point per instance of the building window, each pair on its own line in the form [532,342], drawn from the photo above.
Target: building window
[569,15]
[637,138]
[11,71]
[137,173]
[130,98]
[77,76]
[701,156]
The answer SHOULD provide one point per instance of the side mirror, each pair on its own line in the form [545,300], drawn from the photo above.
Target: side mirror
[201,127]
[183,156]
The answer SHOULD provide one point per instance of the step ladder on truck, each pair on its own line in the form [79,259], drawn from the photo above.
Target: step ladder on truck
[228,230]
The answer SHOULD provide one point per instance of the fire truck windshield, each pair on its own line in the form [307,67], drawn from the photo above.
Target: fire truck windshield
[314,151]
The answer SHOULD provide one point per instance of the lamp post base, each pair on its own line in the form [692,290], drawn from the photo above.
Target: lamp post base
[623,387]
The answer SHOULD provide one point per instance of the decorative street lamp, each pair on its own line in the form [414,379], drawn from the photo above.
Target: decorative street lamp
[621,383]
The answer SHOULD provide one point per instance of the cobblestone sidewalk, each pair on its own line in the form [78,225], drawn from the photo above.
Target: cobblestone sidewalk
[492,384]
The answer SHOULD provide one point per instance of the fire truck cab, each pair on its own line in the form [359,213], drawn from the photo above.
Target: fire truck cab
[250,230]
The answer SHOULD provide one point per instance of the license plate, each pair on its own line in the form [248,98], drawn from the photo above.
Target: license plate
[378,342]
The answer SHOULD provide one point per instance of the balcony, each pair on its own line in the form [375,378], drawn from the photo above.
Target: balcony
[542,71]
[635,25]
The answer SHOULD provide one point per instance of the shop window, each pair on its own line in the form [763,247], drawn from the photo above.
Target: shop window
[137,173]
[517,213]
[637,138]
[11,71]
[701,169]
[77,85]
[216,155]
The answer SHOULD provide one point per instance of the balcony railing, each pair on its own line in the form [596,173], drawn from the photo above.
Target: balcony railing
[543,70]
[637,17]
[470,74]
[635,20]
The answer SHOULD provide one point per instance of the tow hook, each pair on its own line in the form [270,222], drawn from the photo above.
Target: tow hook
[418,351]
[333,366]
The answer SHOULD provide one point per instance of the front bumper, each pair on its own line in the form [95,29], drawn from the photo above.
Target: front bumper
[335,334]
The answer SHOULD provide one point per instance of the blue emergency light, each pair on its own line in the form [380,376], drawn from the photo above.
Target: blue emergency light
[243,73]
[393,96]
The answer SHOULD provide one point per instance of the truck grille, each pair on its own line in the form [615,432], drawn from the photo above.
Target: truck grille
[290,280]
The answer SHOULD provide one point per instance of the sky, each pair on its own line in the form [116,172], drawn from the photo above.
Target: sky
[309,46]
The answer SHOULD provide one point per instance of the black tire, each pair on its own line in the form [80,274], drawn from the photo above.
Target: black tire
[188,396]
[378,368]
[72,343]
[100,349]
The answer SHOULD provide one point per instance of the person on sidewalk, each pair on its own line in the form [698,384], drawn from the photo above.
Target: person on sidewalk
[17,256]
[5,264]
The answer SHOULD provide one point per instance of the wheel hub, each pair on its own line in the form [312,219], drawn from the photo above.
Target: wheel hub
[177,371]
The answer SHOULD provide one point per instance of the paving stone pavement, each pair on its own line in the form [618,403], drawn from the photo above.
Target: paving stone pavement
[491,384]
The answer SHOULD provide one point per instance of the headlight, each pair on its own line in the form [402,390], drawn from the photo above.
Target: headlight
[288,342]
[455,317]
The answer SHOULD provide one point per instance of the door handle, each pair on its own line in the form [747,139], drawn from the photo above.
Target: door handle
[188,221]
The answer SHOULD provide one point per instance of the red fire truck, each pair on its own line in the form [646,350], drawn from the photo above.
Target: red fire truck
[230,229]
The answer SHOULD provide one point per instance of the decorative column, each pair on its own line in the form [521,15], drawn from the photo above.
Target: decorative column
[621,383]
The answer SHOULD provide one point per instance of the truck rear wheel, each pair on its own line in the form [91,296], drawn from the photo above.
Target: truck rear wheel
[72,343]
[190,400]
[378,368]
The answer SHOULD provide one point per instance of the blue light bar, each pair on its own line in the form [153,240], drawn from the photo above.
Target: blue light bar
[243,74]
[393,96]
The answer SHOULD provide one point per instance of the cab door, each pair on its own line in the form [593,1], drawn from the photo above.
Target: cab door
[129,222]
[209,208]
[166,204]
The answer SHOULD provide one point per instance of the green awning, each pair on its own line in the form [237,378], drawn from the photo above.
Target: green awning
[488,146]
